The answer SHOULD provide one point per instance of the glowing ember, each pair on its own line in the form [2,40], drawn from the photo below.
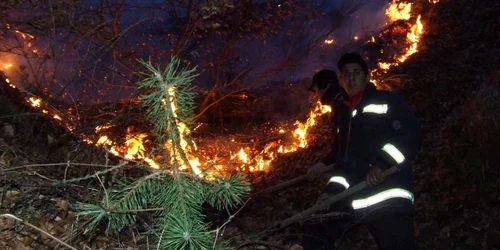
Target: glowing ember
[7,66]
[7,80]
[355,38]
[384,65]
[35,102]
[25,35]
[102,128]
[329,41]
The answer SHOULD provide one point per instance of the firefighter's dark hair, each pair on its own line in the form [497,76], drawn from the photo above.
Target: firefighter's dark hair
[353,57]
[323,78]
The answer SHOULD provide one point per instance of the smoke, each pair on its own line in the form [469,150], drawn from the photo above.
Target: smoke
[90,72]
[358,27]
[306,47]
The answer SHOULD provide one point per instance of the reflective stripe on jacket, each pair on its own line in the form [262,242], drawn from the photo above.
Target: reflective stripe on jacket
[382,132]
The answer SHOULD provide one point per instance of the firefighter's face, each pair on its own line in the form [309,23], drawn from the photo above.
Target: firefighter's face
[353,79]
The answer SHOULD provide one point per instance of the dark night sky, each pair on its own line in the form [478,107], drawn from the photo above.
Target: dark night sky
[154,24]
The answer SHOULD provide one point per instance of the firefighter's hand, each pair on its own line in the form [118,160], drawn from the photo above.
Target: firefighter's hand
[322,198]
[375,176]
[316,171]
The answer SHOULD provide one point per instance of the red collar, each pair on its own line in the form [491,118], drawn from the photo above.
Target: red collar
[354,100]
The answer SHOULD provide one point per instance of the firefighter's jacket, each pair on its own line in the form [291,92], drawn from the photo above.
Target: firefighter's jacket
[381,131]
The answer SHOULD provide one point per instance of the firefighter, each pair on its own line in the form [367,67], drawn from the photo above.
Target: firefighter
[374,131]
[325,85]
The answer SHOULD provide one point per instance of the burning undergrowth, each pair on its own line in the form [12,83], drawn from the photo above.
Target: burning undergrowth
[252,132]
[257,125]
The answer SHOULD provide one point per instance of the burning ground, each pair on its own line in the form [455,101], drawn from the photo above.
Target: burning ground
[452,82]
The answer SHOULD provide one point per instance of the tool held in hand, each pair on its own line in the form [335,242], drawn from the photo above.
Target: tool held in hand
[289,183]
[319,206]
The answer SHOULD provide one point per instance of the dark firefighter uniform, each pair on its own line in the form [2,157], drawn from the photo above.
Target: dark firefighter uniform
[381,131]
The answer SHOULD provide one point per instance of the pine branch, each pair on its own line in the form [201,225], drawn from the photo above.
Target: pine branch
[170,104]
[185,234]
[175,197]
[120,208]
[227,192]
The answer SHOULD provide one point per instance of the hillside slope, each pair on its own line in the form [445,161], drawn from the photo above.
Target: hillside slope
[453,83]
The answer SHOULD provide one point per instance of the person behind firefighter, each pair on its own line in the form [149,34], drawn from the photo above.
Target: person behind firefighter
[374,131]
[325,86]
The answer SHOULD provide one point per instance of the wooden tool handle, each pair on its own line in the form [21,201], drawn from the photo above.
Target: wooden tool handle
[289,183]
[332,200]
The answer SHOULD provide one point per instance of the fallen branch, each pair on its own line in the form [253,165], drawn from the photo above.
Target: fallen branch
[268,245]
[231,217]
[36,228]
[306,214]
[319,217]
[53,164]
[22,114]
[289,183]
[90,176]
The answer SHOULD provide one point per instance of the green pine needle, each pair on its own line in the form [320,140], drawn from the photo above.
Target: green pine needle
[185,234]
[177,198]
[227,192]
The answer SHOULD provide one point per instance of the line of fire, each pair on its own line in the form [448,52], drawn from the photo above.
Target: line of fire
[399,40]
[251,124]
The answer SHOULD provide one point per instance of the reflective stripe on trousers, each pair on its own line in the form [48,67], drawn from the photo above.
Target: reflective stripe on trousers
[383,196]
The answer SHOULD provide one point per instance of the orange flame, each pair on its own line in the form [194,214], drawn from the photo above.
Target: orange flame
[398,11]
[413,37]
[263,160]
[242,156]
[134,147]
[300,133]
